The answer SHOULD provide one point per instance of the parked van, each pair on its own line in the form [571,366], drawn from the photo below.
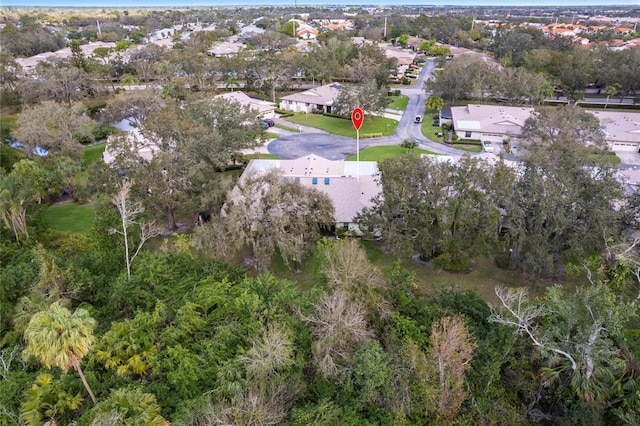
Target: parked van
[487,146]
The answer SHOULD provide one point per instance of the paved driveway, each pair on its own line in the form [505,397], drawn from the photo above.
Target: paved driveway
[331,147]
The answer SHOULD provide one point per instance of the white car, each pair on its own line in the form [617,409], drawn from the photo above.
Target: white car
[487,146]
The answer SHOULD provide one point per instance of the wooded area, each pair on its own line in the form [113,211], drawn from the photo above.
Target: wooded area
[198,298]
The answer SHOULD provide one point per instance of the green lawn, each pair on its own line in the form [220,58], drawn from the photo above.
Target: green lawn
[468,148]
[8,123]
[482,279]
[344,127]
[261,156]
[399,102]
[381,153]
[291,129]
[71,217]
[92,153]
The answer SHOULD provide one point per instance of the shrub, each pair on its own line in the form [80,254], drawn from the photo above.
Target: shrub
[454,137]
[409,144]
[342,232]
[502,260]
[284,112]
[456,262]
[330,114]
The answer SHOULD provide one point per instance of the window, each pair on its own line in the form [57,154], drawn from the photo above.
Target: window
[314,181]
[467,134]
[297,180]
[326,181]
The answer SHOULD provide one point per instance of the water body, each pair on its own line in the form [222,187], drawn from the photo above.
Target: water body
[218,3]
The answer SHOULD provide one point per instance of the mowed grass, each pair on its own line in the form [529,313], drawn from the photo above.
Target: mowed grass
[261,156]
[71,217]
[344,127]
[381,153]
[399,102]
[92,153]
[482,280]
[468,148]
[8,123]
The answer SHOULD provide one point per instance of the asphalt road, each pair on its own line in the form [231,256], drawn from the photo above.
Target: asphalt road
[312,141]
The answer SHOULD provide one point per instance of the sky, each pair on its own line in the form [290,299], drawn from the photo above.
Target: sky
[183,3]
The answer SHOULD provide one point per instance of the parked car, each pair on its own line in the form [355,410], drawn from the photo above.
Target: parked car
[418,119]
[411,75]
[267,122]
[487,146]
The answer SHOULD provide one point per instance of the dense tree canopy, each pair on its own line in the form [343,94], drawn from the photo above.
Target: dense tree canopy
[323,330]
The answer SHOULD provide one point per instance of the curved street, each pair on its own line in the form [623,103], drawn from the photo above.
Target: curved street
[314,141]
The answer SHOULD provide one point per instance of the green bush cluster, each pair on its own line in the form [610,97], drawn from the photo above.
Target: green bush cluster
[330,114]
[284,112]
[454,262]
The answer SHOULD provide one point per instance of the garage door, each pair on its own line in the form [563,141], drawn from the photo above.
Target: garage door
[625,147]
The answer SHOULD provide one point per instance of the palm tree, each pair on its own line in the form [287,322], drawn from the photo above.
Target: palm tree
[129,406]
[610,91]
[435,102]
[58,337]
[231,82]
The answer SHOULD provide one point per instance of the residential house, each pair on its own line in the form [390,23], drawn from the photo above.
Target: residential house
[403,57]
[143,145]
[622,129]
[225,49]
[497,124]
[490,123]
[318,98]
[264,109]
[304,30]
[29,64]
[351,185]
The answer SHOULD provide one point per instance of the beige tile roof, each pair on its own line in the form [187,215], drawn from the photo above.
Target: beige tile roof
[490,118]
[322,95]
[402,56]
[244,99]
[337,179]
[225,48]
[619,126]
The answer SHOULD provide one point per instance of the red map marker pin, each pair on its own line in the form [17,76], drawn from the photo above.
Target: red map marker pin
[356,118]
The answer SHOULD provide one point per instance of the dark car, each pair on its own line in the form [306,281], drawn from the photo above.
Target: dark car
[269,122]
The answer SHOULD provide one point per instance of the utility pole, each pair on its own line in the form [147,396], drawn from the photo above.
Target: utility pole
[384,34]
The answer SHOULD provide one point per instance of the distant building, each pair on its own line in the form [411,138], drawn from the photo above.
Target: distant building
[225,49]
[30,63]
